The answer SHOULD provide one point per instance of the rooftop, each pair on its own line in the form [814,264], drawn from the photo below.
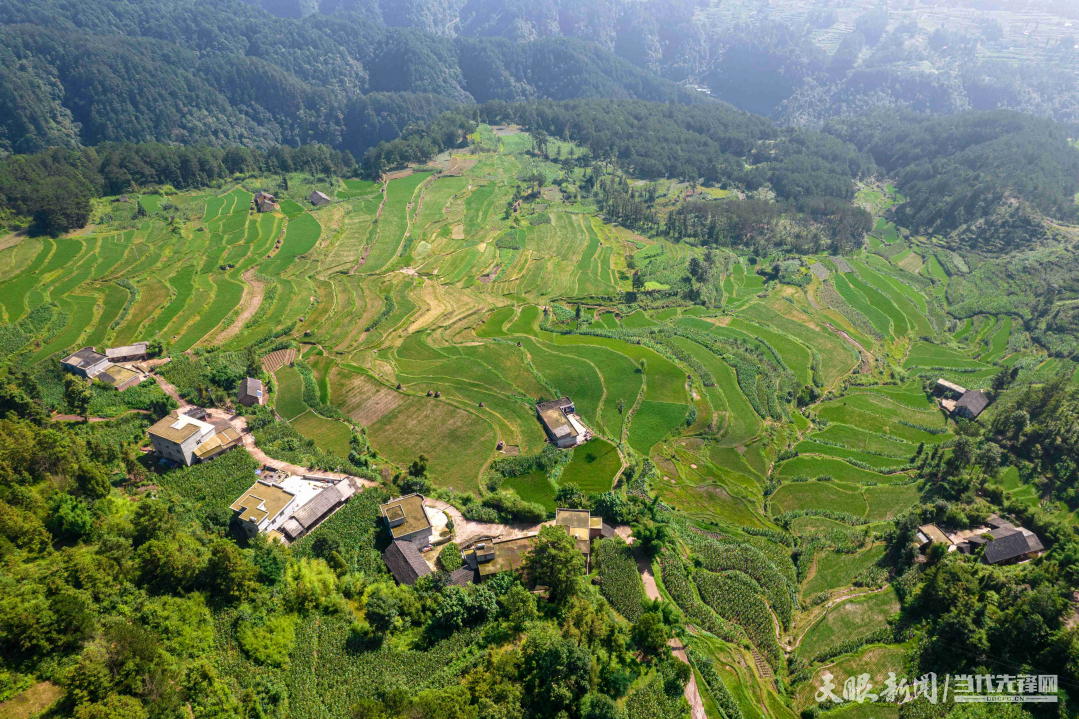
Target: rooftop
[117,375]
[414,512]
[579,518]
[950,386]
[934,534]
[250,387]
[262,500]
[177,428]
[461,577]
[225,439]
[1011,543]
[405,562]
[973,400]
[86,357]
[557,422]
[310,513]
[139,348]
[509,555]
[559,404]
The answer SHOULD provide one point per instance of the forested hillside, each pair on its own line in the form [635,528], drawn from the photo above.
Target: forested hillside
[229,73]
[800,62]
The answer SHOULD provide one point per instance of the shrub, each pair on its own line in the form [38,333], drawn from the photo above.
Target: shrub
[450,557]
[270,641]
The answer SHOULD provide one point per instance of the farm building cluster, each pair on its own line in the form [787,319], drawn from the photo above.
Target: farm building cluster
[959,401]
[110,367]
[287,506]
[1002,542]
[564,427]
[264,202]
[413,534]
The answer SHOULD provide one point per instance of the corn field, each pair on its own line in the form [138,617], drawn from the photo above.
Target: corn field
[737,598]
[620,581]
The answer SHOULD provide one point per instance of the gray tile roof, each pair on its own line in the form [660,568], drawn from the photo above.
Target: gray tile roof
[311,513]
[461,577]
[974,401]
[1011,543]
[405,562]
[86,357]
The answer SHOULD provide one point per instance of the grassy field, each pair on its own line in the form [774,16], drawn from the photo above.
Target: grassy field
[850,620]
[832,571]
[457,443]
[329,435]
[653,421]
[593,466]
[876,660]
[533,487]
[289,402]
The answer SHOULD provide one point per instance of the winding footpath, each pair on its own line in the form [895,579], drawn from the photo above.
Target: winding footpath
[651,591]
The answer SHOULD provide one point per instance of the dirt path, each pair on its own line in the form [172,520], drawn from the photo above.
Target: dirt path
[250,303]
[466,530]
[78,418]
[867,359]
[693,695]
[168,389]
[644,566]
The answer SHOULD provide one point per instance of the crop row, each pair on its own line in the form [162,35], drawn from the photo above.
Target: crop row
[718,556]
[679,586]
[620,581]
[737,597]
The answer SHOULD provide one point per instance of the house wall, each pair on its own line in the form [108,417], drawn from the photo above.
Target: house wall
[420,539]
[184,452]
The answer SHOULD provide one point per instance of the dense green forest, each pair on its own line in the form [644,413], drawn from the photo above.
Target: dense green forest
[351,74]
[228,73]
[801,63]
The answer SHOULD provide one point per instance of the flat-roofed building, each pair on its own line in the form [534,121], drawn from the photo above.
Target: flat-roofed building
[504,555]
[933,535]
[406,517]
[582,526]
[263,507]
[119,377]
[561,424]
[87,363]
[185,439]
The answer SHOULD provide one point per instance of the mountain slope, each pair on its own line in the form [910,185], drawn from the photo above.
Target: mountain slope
[230,73]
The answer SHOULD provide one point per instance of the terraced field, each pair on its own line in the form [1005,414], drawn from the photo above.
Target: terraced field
[777,408]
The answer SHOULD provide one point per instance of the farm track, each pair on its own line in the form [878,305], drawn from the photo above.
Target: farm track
[692,694]
[79,418]
[863,354]
[250,306]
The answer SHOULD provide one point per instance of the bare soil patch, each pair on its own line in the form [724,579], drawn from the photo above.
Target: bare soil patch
[365,400]
[278,359]
[31,702]
[251,300]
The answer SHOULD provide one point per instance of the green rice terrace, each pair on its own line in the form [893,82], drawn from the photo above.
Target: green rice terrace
[777,431]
